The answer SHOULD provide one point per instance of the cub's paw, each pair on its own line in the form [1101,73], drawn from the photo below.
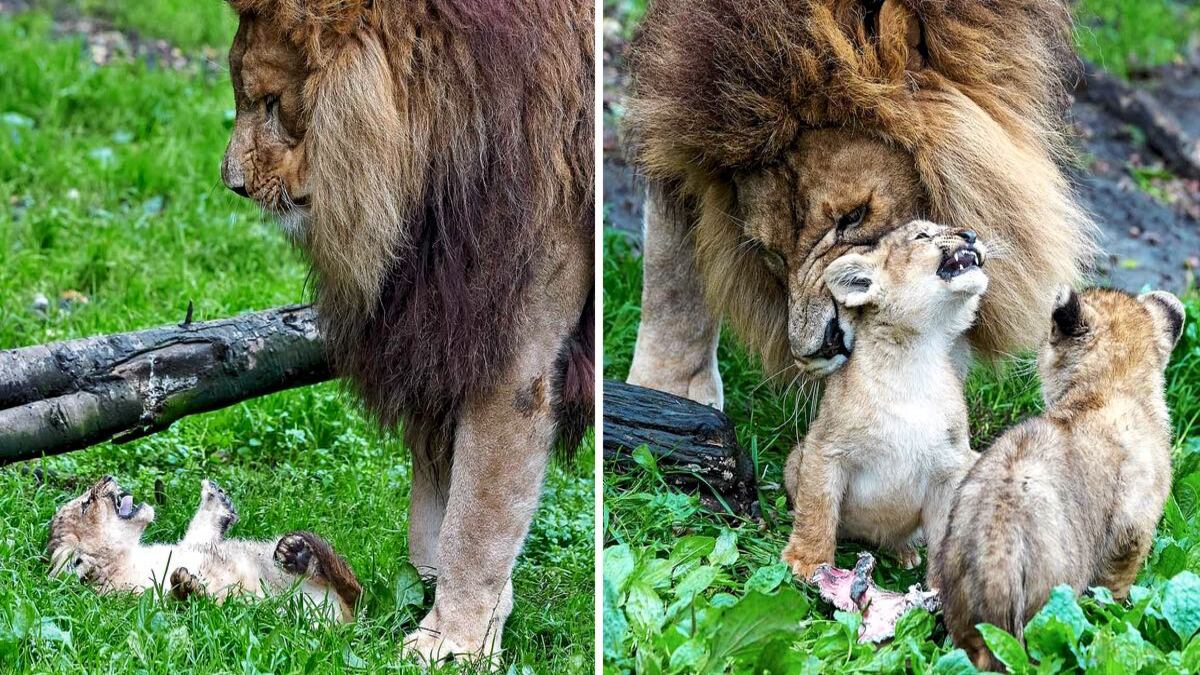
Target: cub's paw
[804,565]
[295,555]
[184,584]
[216,501]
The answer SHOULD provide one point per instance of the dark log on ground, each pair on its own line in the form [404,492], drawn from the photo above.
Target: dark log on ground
[694,444]
[69,395]
[1164,134]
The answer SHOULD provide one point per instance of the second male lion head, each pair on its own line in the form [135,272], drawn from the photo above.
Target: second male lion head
[797,131]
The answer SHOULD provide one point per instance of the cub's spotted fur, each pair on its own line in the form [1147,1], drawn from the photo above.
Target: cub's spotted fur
[881,460]
[1071,496]
[97,536]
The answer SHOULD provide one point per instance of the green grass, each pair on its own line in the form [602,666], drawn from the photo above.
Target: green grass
[687,591]
[109,186]
[1120,35]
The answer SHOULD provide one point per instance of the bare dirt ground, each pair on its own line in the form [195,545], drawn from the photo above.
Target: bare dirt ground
[1149,218]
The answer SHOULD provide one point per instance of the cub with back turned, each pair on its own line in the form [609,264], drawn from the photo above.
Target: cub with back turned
[1073,495]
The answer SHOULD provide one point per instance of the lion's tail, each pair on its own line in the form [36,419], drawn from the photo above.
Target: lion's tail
[576,371]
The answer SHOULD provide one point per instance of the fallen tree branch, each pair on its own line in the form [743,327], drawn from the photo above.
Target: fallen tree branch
[1164,134]
[65,396]
[694,445]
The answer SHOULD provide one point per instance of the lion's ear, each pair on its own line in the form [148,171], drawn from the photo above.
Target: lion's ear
[853,280]
[901,39]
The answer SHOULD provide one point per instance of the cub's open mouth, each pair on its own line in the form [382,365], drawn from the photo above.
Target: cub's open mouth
[123,503]
[959,261]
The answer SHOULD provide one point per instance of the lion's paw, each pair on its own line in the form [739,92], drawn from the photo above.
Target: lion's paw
[429,645]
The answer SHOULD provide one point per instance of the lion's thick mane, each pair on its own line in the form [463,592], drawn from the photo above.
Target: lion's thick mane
[729,85]
[446,137]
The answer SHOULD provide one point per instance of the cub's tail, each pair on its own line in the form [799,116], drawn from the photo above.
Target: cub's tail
[576,377]
[306,554]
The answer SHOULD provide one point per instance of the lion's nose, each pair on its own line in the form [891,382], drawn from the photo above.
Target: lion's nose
[239,190]
[833,343]
[968,236]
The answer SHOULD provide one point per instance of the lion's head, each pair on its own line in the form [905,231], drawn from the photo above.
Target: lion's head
[801,131]
[418,152]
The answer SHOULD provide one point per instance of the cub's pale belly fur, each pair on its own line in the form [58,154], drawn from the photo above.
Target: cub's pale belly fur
[889,478]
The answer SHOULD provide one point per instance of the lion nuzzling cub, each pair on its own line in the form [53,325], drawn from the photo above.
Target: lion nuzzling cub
[1073,495]
[890,442]
[97,536]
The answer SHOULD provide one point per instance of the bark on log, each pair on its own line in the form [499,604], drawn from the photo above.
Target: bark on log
[69,395]
[1164,134]
[694,444]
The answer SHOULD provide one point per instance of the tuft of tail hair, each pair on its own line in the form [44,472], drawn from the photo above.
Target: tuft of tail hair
[575,373]
[982,595]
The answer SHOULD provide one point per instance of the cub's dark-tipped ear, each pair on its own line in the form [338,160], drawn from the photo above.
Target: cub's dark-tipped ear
[853,280]
[1168,312]
[1068,318]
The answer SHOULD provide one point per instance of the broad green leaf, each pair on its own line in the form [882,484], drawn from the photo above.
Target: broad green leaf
[767,579]
[615,625]
[725,551]
[1116,653]
[688,551]
[954,663]
[644,608]
[687,656]
[1005,647]
[916,624]
[645,459]
[1181,605]
[408,589]
[1063,606]
[618,565]
[696,582]
[755,618]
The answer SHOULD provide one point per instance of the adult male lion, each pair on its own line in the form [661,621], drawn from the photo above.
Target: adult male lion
[778,134]
[433,158]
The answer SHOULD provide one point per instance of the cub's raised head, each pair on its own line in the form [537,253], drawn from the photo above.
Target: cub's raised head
[1108,337]
[920,279]
[96,524]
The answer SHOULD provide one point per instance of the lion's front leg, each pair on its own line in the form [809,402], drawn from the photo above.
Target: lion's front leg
[501,449]
[427,508]
[676,348]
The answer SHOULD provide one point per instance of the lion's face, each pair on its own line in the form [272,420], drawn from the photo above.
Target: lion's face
[266,158]
[102,520]
[837,191]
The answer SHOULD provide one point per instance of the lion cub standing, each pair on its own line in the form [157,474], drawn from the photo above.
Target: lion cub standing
[890,442]
[98,536]
[1071,496]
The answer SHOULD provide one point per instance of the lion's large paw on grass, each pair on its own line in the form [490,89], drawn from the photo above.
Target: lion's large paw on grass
[431,644]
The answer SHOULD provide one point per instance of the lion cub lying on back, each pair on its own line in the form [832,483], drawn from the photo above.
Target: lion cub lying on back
[98,535]
[890,443]
[1071,496]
